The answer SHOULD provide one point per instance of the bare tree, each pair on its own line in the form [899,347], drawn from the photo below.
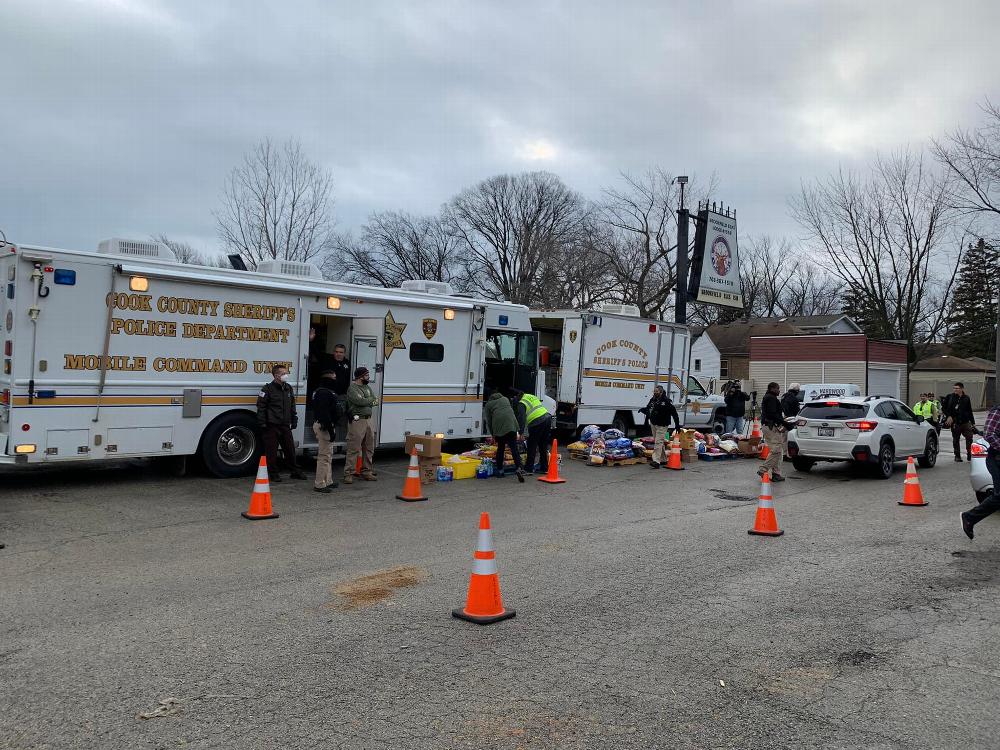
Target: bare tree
[508,226]
[811,291]
[639,238]
[185,253]
[277,204]
[181,250]
[890,239]
[394,247]
[972,157]
[639,243]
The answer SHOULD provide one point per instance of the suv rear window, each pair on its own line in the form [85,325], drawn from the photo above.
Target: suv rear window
[833,410]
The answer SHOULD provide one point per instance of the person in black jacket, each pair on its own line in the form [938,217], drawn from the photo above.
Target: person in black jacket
[957,408]
[775,433]
[659,411]
[736,408]
[277,417]
[326,410]
[790,401]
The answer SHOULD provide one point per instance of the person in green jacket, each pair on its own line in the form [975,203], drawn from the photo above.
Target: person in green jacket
[502,425]
[360,433]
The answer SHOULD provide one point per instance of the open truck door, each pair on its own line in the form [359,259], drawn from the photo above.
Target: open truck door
[367,347]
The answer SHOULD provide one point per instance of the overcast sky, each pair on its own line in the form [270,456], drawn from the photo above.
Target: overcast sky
[123,117]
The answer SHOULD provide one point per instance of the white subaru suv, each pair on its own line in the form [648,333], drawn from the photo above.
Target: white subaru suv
[872,431]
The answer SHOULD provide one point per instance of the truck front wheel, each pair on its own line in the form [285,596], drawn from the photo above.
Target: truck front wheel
[231,445]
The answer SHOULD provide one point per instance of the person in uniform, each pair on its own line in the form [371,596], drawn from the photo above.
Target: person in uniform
[660,412]
[775,432]
[340,365]
[326,411]
[360,433]
[277,417]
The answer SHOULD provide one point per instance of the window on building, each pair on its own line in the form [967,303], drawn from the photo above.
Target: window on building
[723,368]
[420,352]
[697,365]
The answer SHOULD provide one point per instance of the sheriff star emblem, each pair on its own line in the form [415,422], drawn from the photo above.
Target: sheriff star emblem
[430,327]
[572,337]
[393,334]
[696,406]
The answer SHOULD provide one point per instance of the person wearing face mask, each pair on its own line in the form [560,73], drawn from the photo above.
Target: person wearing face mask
[277,417]
[360,433]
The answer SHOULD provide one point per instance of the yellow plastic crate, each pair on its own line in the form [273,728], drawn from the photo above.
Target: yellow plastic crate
[463,469]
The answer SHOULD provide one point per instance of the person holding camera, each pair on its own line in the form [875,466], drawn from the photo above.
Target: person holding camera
[736,408]
[775,432]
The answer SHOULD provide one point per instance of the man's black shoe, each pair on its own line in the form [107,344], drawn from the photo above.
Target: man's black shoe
[967,526]
[958,459]
[777,478]
[654,464]
[325,490]
[275,478]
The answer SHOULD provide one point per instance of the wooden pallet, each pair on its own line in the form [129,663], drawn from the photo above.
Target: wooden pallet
[717,457]
[634,461]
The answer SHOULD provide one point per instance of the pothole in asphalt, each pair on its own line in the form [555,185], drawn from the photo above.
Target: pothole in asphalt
[726,495]
[371,589]
[856,658]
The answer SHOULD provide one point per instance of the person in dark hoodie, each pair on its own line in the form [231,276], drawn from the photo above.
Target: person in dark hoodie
[659,411]
[501,422]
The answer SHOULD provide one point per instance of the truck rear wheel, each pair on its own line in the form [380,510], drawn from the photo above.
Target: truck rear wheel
[231,445]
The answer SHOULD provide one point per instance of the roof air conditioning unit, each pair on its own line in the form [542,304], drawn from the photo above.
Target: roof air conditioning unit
[290,268]
[617,309]
[427,287]
[136,249]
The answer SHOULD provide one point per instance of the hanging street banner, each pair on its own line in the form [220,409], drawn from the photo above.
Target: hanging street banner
[715,262]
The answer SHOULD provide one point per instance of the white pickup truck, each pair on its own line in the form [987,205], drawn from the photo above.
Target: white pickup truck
[600,366]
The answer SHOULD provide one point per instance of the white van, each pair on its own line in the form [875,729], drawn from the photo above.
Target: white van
[813,391]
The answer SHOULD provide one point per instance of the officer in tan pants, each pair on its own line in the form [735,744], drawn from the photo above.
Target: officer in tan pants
[360,433]
[775,432]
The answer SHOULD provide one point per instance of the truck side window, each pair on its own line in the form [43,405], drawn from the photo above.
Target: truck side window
[694,388]
[426,352]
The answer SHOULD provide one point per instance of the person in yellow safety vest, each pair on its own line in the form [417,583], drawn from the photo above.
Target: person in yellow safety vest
[925,408]
[536,424]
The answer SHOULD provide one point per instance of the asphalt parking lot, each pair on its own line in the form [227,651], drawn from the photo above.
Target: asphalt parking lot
[646,616]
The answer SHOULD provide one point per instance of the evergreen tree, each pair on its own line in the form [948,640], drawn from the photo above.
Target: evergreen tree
[972,316]
[859,308]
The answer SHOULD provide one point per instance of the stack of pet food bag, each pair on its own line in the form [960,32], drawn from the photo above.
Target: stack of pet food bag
[598,446]
[479,463]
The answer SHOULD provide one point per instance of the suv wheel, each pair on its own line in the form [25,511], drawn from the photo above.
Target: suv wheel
[886,461]
[929,458]
[802,464]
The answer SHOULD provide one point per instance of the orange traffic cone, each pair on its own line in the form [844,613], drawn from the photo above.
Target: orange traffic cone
[483,604]
[912,494]
[766,523]
[412,490]
[755,431]
[764,453]
[552,477]
[357,467]
[260,500]
[674,457]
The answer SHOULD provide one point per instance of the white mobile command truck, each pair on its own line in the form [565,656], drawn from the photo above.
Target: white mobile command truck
[600,366]
[126,352]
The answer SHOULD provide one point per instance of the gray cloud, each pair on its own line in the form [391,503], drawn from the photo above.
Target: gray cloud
[122,117]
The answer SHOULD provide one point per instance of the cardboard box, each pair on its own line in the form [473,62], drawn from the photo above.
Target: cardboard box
[428,469]
[748,446]
[425,445]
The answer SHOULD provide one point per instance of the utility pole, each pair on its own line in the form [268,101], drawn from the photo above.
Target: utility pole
[996,355]
[680,300]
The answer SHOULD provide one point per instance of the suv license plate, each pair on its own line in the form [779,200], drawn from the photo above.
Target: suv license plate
[825,431]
